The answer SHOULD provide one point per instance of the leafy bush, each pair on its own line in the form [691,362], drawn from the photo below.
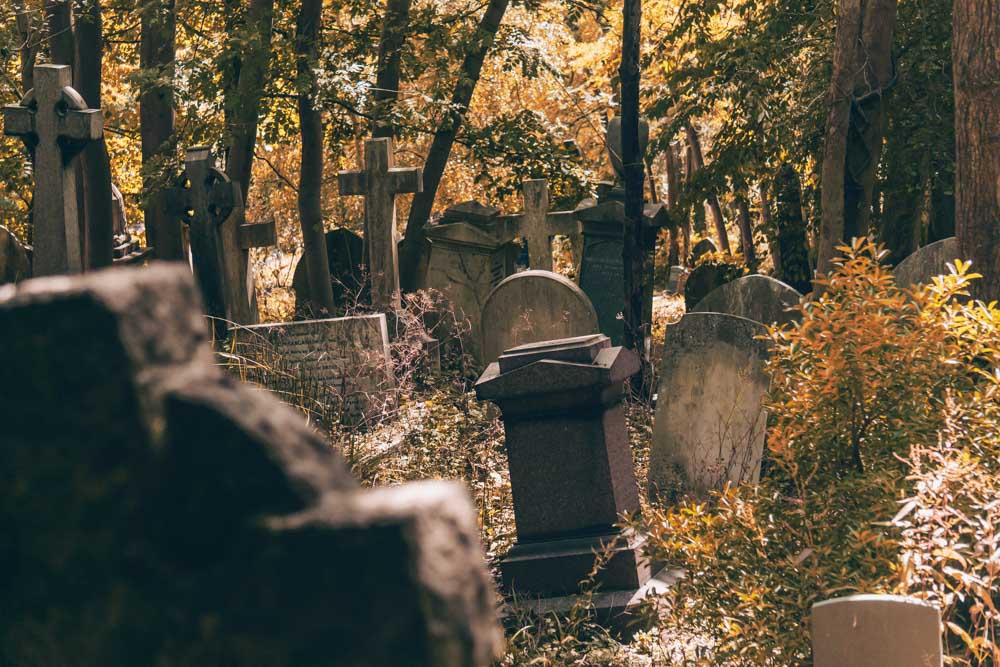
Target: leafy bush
[880,396]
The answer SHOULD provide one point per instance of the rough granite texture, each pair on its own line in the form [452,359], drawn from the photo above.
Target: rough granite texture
[931,260]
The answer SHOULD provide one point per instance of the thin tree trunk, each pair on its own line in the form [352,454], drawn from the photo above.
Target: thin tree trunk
[746,232]
[27,36]
[94,161]
[633,254]
[444,139]
[976,66]
[862,69]
[767,224]
[673,205]
[390,51]
[311,171]
[243,103]
[157,49]
[713,199]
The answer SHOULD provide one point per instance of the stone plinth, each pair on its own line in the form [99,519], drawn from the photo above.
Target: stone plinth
[571,467]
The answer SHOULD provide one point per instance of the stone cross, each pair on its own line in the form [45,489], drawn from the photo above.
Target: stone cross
[55,124]
[212,205]
[379,183]
[537,225]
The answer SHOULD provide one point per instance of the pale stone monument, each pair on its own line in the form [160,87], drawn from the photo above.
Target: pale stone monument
[534,306]
[710,418]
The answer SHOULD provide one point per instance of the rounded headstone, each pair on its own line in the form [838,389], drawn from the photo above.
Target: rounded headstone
[876,631]
[710,418]
[345,252]
[705,279]
[759,298]
[14,263]
[702,248]
[534,306]
[927,262]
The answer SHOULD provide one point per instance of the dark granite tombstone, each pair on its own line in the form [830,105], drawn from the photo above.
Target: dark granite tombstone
[876,631]
[706,278]
[14,263]
[156,511]
[571,469]
[702,248]
[345,252]
[759,298]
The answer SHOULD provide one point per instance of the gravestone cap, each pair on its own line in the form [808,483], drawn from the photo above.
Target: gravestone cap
[578,350]
[876,631]
[470,211]
[462,233]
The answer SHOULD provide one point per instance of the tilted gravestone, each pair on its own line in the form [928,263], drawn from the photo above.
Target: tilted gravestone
[706,278]
[14,263]
[534,306]
[702,248]
[571,472]
[710,419]
[345,358]
[931,260]
[876,631]
[345,253]
[379,183]
[126,249]
[759,298]
[55,124]
[159,512]
[468,259]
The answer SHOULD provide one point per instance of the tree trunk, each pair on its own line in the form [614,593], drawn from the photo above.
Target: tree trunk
[792,244]
[673,205]
[444,139]
[746,233]
[311,168]
[976,67]
[390,51]
[95,165]
[27,36]
[243,99]
[770,232]
[713,199]
[157,48]
[862,69]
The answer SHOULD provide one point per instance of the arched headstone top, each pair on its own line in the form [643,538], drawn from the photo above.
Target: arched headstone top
[759,298]
[927,262]
[533,306]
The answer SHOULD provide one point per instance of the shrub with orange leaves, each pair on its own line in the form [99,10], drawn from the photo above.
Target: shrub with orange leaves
[880,397]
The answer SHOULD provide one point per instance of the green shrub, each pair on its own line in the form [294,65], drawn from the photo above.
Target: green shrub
[880,396]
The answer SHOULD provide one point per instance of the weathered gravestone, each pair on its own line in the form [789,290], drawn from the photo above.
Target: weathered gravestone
[876,631]
[346,358]
[710,419]
[126,249]
[602,270]
[166,514]
[469,257]
[571,472]
[14,263]
[55,124]
[345,253]
[614,145]
[675,282]
[931,260]
[759,298]
[379,183]
[534,306]
[702,248]
[706,278]
[537,225]
[212,207]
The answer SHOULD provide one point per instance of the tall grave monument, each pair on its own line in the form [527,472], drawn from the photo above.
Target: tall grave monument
[55,124]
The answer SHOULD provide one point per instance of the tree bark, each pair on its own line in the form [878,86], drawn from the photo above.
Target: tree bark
[243,99]
[791,242]
[770,232]
[311,168]
[157,49]
[94,161]
[390,51]
[976,67]
[713,199]
[673,205]
[444,139]
[862,69]
[27,36]
[746,232]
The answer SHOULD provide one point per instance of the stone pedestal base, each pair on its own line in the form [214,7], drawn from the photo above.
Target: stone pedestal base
[617,610]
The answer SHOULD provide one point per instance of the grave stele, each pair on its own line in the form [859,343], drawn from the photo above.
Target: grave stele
[876,631]
[759,298]
[379,183]
[55,123]
[927,262]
